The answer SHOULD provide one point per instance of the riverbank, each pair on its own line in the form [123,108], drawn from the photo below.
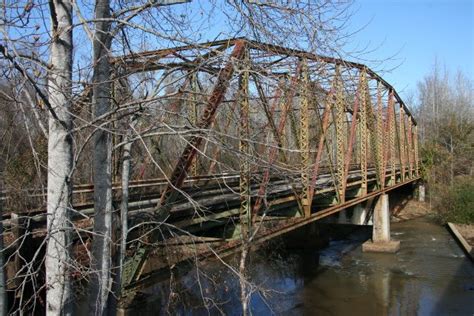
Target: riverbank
[465,236]
[467,231]
[410,210]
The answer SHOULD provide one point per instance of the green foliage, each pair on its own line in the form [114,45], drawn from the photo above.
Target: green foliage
[456,203]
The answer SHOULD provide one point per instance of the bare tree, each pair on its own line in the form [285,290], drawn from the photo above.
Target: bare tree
[59,161]
[101,284]
[446,110]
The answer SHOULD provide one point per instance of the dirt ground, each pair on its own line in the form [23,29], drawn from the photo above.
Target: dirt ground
[467,231]
[410,210]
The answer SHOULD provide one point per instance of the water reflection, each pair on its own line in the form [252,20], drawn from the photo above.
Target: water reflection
[429,275]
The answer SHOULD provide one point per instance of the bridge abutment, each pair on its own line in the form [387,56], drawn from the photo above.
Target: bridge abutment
[421,192]
[381,241]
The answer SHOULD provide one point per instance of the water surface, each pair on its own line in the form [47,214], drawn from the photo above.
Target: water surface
[428,276]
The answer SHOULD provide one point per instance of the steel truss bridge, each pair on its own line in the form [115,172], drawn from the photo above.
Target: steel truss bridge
[263,139]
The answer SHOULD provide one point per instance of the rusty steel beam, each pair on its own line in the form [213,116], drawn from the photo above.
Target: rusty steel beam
[273,151]
[184,162]
[341,136]
[304,138]
[193,116]
[391,131]
[269,110]
[352,136]
[401,138]
[363,130]
[415,145]
[380,138]
[161,53]
[411,161]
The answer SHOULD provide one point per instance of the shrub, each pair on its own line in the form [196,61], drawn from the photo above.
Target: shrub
[456,203]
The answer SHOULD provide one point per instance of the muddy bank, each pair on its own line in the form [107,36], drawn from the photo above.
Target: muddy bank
[464,234]
[467,231]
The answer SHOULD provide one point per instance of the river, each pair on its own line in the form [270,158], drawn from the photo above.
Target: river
[428,276]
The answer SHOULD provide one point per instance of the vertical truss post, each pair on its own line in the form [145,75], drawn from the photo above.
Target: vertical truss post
[193,116]
[287,96]
[244,148]
[391,132]
[363,87]
[380,138]
[415,145]
[410,148]
[341,135]
[304,138]
[373,135]
[401,136]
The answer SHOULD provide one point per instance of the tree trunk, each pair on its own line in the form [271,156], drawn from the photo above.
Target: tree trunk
[101,281]
[60,154]
[126,165]
[3,293]
[244,294]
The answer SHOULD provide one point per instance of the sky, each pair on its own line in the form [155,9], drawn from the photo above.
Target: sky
[408,35]
[415,33]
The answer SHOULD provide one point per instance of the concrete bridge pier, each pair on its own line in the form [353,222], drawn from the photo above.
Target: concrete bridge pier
[381,229]
[360,215]
[421,192]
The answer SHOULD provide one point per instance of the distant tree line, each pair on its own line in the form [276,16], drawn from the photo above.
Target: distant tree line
[446,118]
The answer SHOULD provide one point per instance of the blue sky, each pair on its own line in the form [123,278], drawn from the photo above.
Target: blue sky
[417,32]
[409,35]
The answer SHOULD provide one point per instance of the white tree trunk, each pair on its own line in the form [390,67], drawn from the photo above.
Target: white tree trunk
[126,166]
[244,290]
[3,293]
[60,154]
[101,283]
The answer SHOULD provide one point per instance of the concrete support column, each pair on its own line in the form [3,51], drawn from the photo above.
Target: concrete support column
[421,192]
[381,229]
[359,215]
